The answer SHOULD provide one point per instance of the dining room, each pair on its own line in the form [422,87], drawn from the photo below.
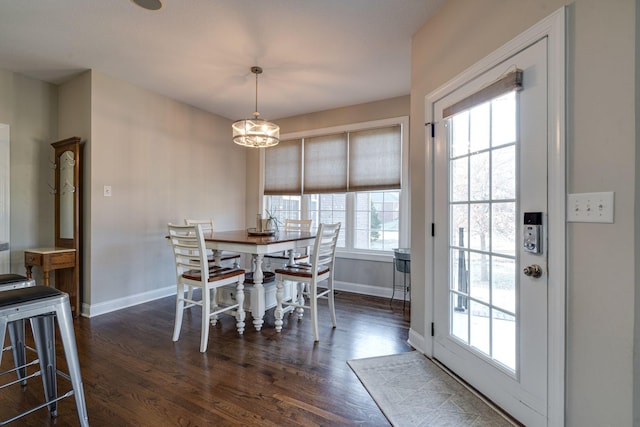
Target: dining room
[151,158]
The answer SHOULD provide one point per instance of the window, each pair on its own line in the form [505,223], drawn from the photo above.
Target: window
[283,207]
[352,175]
[377,225]
[329,208]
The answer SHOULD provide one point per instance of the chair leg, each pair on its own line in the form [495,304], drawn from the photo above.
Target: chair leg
[313,306]
[16,335]
[240,314]
[65,324]
[300,298]
[279,295]
[179,312]
[330,298]
[206,319]
[214,306]
[44,337]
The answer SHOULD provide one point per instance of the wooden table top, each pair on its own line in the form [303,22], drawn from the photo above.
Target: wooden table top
[243,236]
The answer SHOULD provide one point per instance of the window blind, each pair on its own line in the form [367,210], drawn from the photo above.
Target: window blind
[325,164]
[283,169]
[507,83]
[363,160]
[375,159]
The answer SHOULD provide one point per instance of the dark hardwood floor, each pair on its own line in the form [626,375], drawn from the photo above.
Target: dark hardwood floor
[134,375]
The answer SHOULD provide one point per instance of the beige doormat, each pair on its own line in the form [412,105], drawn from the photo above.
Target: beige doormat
[411,390]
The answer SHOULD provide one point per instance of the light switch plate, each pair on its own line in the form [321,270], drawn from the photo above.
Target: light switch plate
[590,207]
[107,191]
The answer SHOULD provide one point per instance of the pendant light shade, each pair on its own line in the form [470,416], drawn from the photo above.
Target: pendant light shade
[256,132]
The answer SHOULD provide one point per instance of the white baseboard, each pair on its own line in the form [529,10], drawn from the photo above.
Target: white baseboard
[92,310]
[418,342]
[359,288]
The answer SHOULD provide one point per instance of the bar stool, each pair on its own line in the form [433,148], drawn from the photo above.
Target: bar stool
[41,304]
[16,329]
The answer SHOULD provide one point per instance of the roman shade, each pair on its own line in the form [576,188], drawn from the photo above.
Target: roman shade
[283,169]
[507,83]
[360,160]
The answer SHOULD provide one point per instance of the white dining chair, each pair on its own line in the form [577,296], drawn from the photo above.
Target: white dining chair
[280,259]
[318,275]
[193,272]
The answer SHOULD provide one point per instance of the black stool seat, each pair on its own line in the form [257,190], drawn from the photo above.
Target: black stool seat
[22,295]
[268,277]
[6,279]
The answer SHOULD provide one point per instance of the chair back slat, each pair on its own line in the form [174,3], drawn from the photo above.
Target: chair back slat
[324,247]
[297,224]
[207,224]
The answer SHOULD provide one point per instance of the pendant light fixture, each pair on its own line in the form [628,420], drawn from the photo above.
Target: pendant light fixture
[256,132]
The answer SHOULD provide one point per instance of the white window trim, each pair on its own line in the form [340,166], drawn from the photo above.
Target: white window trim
[404,240]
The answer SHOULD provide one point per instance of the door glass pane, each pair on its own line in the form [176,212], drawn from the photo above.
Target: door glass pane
[479,226]
[504,339]
[460,225]
[503,228]
[460,179]
[480,129]
[460,317]
[482,229]
[460,134]
[479,176]
[460,279]
[503,120]
[480,333]
[503,283]
[479,277]
[503,173]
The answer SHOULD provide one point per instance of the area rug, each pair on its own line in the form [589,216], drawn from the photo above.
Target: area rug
[411,390]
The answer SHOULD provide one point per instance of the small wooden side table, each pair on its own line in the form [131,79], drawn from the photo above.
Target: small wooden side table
[63,261]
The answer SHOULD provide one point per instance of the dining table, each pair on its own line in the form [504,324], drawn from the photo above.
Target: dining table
[257,245]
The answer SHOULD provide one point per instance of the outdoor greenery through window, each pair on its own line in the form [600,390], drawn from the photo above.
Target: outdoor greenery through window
[373,224]
[352,175]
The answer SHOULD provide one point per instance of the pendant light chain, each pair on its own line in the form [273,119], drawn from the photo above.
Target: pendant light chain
[256,113]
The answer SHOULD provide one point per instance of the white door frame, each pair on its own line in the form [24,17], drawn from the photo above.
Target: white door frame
[5,199]
[552,27]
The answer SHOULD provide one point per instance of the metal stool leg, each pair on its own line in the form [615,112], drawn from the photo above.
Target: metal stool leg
[44,337]
[67,336]
[16,335]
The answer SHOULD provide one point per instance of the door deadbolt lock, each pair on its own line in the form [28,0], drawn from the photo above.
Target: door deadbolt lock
[534,270]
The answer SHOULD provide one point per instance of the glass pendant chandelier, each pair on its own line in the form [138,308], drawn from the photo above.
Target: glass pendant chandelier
[256,132]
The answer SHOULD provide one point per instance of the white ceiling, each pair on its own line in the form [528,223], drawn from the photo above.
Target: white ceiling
[316,54]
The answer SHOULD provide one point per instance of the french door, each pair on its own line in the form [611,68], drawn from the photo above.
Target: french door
[490,253]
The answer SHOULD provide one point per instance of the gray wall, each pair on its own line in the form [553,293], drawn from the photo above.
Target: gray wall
[165,161]
[601,145]
[29,107]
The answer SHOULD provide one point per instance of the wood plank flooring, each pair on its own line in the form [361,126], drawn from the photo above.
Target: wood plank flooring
[134,375]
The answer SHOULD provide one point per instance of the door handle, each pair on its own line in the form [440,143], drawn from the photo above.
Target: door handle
[534,270]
